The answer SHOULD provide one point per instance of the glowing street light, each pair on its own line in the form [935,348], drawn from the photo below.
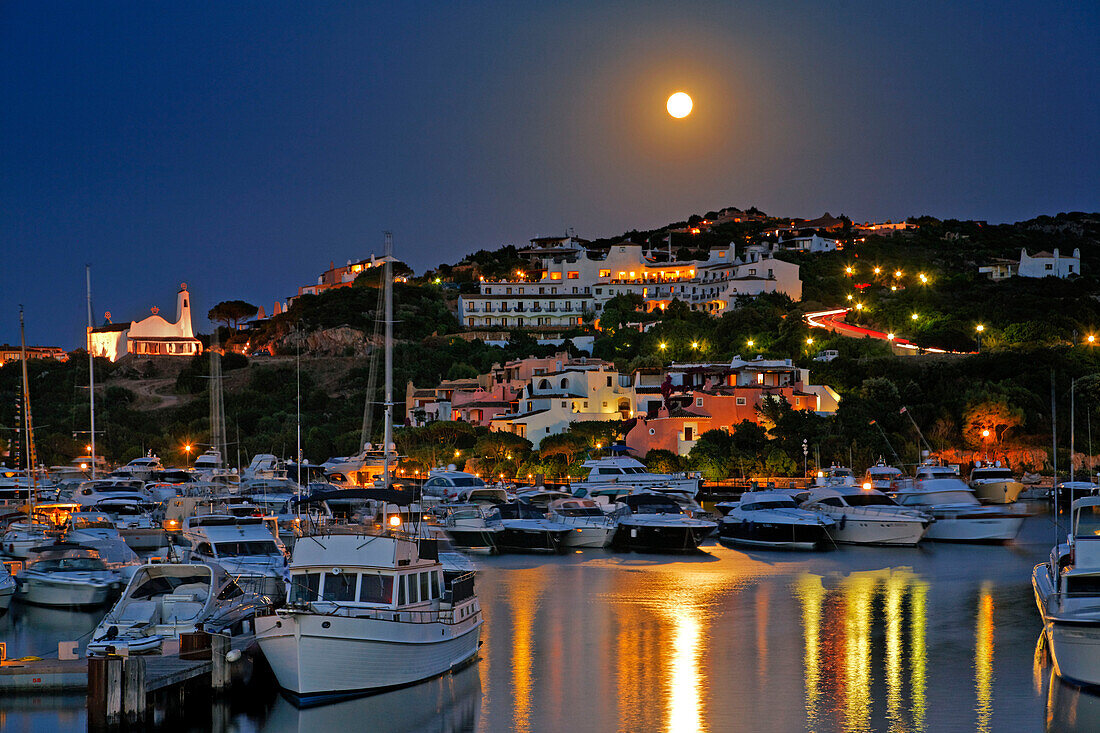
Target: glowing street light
[979,328]
[458,453]
[695,344]
[859,306]
[889,337]
[187,449]
[897,273]
[848,269]
[914,316]
[663,346]
[750,343]
[985,433]
[878,270]
[809,340]
[1091,338]
[923,278]
[850,296]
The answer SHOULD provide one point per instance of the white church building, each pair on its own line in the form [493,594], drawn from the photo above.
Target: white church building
[153,336]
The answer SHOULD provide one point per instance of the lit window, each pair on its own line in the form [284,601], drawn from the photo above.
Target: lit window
[555,276]
[605,273]
[574,275]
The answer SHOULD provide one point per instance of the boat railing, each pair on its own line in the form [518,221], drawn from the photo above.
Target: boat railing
[404,616]
[459,589]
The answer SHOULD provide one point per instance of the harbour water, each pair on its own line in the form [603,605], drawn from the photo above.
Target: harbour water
[935,638]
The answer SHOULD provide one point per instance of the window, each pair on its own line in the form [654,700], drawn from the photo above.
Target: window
[565,404]
[204,549]
[741,400]
[586,404]
[689,432]
[599,291]
[698,401]
[564,383]
[424,582]
[604,273]
[605,404]
[304,587]
[376,589]
[508,291]
[609,381]
[339,587]
[1048,266]
[413,596]
[555,276]
[574,275]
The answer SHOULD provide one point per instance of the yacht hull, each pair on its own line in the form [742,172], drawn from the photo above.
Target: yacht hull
[144,539]
[997,492]
[6,593]
[356,656]
[659,538]
[975,529]
[879,532]
[774,535]
[473,539]
[588,537]
[1074,643]
[44,592]
[521,538]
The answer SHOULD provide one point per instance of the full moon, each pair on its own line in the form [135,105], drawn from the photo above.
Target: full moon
[679,105]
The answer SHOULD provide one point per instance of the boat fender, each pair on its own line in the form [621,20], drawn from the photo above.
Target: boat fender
[843,521]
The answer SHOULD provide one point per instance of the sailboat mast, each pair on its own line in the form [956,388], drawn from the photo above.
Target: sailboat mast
[91,368]
[28,428]
[387,436]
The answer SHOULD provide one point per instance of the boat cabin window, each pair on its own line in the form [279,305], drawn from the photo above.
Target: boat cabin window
[305,587]
[230,591]
[832,501]
[253,548]
[1087,521]
[68,564]
[997,473]
[204,549]
[92,523]
[339,587]
[401,590]
[411,592]
[424,592]
[1088,585]
[868,500]
[773,504]
[376,589]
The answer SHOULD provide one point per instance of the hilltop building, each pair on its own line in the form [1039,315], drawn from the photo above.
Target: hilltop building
[12,353]
[1042,264]
[152,336]
[340,277]
[571,284]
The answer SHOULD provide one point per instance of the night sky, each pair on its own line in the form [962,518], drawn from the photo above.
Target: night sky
[241,147]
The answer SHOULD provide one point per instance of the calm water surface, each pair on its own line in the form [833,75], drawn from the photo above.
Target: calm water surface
[936,638]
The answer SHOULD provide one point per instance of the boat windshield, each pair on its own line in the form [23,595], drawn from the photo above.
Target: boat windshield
[1088,521]
[1002,474]
[941,497]
[583,511]
[771,504]
[868,500]
[464,482]
[248,549]
[68,564]
[92,523]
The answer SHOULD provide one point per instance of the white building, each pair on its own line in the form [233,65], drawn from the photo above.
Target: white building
[152,336]
[549,402]
[1045,264]
[808,243]
[572,283]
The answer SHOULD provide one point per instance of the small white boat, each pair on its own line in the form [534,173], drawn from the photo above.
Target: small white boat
[958,515]
[774,520]
[469,528]
[7,588]
[69,575]
[164,600]
[90,493]
[1067,593]
[368,612]
[867,516]
[652,522]
[626,471]
[994,483]
[142,469]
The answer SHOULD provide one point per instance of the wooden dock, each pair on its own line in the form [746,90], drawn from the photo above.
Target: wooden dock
[120,688]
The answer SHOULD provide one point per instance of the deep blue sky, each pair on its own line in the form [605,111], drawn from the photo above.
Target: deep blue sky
[242,146]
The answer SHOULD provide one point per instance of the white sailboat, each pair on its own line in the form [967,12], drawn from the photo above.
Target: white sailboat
[370,610]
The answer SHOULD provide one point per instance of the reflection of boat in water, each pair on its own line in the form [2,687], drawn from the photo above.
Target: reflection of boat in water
[440,705]
[1071,708]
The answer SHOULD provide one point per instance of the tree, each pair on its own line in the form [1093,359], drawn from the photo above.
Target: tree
[460,370]
[988,421]
[621,309]
[566,445]
[660,460]
[232,312]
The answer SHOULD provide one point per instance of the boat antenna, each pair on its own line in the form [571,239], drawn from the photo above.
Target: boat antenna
[28,427]
[905,411]
[1072,427]
[887,441]
[91,367]
[1054,454]
[387,434]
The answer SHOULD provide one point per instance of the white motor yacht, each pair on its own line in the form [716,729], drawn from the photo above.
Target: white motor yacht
[67,574]
[929,470]
[958,515]
[449,485]
[97,530]
[244,546]
[867,516]
[141,469]
[626,471]
[368,612]
[525,528]
[1067,592]
[163,600]
[835,475]
[469,527]
[994,483]
[590,526]
[885,478]
[35,526]
[90,493]
[134,522]
[773,519]
[652,522]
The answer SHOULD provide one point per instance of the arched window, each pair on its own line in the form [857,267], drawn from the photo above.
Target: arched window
[564,383]
[544,384]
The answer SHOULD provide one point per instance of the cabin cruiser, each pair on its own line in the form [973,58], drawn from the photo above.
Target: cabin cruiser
[164,600]
[524,528]
[244,546]
[657,523]
[1067,593]
[141,469]
[958,515]
[835,475]
[90,493]
[773,519]
[16,484]
[44,524]
[469,528]
[362,469]
[590,526]
[7,588]
[208,462]
[448,485]
[867,516]
[67,574]
[368,612]
[134,522]
[882,477]
[929,470]
[994,483]
[626,471]
[97,530]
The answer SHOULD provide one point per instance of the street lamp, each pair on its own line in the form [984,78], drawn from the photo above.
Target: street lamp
[187,448]
[695,344]
[924,278]
[850,296]
[750,343]
[878,270]
[979,328]
[889,337]
[809,340]
[859,306]
[914,316]
[1091,338]
[805,457]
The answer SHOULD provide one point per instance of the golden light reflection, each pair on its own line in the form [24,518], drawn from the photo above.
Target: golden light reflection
[918,651]
[895,591]
[685,708]
[1039,662]
[859,592]
[983,658]
[524,600]
[811,593]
